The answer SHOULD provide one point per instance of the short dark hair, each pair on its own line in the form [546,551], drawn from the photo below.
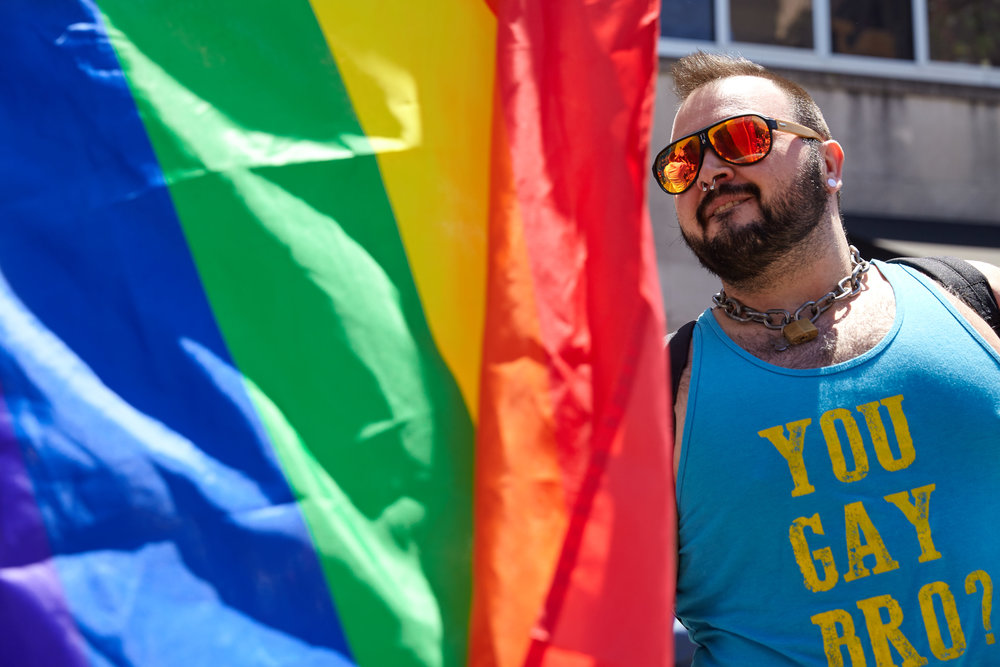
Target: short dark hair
[698,69]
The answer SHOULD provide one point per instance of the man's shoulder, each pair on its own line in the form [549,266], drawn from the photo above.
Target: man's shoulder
[976,284]
[992,274]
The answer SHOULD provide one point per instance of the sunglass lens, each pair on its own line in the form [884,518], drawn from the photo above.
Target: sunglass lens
[742,140]
[678,167]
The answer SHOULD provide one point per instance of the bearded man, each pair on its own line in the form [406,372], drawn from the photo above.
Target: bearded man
[838,420]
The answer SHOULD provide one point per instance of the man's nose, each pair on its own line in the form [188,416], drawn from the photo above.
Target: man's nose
[714,170]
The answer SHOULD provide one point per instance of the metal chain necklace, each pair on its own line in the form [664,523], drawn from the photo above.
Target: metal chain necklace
[797,327]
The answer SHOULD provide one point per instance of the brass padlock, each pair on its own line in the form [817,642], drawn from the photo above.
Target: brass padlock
[799,331]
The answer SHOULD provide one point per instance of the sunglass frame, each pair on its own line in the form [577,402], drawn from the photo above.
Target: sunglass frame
[703,141]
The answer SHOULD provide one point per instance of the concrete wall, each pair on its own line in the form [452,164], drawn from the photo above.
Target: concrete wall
[914,152]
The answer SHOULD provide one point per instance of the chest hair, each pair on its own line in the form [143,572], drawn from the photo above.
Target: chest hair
[845,332]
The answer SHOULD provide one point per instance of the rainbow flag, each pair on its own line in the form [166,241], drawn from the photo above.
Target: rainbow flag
[329,335]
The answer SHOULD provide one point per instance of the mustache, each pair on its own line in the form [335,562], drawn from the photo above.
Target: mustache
[721,190]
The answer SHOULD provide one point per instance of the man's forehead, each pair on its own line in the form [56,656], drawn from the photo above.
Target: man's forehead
[729,97]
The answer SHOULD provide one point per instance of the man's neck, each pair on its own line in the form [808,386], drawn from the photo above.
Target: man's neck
[804,274]
[849,328]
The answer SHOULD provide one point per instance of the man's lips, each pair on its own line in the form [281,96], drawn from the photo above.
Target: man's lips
[727,197]
[727,205]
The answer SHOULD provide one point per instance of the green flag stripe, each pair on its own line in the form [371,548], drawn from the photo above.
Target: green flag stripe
[287,219]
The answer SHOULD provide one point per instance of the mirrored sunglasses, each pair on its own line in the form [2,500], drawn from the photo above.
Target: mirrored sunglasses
[744,139]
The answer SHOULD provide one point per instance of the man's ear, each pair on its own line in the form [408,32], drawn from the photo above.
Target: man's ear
[833,164]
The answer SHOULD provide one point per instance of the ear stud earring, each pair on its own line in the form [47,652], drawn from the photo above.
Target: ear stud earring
[832,182]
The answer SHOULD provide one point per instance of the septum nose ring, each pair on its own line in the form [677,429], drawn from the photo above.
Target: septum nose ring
[705,188]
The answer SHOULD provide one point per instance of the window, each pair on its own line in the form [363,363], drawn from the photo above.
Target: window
[954,41]
[965,31]
[784,22]
[880,28]
[698,22]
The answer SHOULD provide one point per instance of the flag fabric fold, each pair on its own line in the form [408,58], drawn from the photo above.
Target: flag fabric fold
[330,335]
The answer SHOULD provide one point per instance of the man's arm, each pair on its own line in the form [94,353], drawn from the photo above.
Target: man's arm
[992,274]
[680,410]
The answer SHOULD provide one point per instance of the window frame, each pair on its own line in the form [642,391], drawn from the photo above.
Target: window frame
[821,57]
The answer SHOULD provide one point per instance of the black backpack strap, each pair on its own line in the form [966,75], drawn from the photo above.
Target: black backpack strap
[964,279]
[679,343]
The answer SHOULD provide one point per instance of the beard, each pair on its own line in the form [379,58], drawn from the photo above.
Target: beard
[740,255]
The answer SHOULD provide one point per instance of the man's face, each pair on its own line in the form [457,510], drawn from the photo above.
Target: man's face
[757,212]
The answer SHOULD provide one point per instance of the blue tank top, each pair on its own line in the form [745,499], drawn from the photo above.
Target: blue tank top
[846,514]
